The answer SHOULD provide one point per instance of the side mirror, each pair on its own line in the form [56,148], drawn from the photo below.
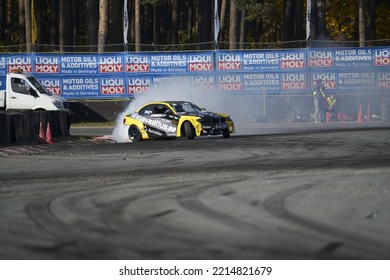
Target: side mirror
[33,93]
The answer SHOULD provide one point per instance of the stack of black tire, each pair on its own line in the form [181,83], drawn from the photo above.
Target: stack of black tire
[23,127]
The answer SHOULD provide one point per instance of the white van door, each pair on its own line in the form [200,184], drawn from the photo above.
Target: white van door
[19,96]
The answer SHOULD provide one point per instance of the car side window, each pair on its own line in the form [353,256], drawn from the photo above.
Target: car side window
[19,86]
[147,111]
[162,111]
[159,109]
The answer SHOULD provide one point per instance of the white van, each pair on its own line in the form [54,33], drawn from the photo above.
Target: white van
[24,92]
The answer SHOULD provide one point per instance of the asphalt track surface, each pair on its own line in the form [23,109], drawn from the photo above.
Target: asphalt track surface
[272,191]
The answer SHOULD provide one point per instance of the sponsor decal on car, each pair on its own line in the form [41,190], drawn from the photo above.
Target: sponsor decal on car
[156,123]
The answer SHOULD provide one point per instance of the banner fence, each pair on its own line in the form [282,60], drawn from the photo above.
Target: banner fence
[124,75]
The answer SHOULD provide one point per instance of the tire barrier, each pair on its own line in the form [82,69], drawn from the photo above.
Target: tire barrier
[22,127]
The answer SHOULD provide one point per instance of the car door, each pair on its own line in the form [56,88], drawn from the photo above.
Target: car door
[158,121]
[19,97]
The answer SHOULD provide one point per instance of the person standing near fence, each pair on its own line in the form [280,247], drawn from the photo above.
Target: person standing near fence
[330,108]
[318,97]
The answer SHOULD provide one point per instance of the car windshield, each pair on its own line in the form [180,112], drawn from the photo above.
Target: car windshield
[38,86]
[186,107]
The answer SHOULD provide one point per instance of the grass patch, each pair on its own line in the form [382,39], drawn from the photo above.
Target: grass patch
[93,124]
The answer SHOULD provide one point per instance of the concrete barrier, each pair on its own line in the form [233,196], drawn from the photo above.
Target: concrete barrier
[22,127]
[96,110]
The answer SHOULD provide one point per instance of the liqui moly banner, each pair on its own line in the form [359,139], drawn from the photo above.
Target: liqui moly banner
[46,64]
[138,84]
[383,81]
[17,62]
[123,75]
[359,57]
[321,58]
[352,80]
[262,83]
[141,83]
[3,65]
[80,87]
[110,64]
[112,86]
[349,58]
[137,63]
[52,85]
[293,60]
[169,63]
[78,64]
[382,57]
[261,61]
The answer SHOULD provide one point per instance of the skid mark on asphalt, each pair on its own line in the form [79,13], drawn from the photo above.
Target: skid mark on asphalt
[275,204]
[22,150]
[36,149]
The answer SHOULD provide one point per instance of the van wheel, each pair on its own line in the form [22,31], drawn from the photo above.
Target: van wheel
[134,134]
[189,130]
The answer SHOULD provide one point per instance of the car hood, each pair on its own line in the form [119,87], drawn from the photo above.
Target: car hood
[204,114]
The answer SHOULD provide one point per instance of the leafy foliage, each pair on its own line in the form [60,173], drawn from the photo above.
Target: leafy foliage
[263,19]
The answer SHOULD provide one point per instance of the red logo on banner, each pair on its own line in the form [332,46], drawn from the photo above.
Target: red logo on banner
[54,90]
[321,62]
[382,61]
[231,86]
[110,64]
[200,66]
[137,89]
[293,85]
[46,68]
[46,65]
[293,82]
[112,86]
[384,80]
[230,83]
[107,68]
[112,90]
[293,61]
[25,68]
[137,67]
[293,64]
[229,65]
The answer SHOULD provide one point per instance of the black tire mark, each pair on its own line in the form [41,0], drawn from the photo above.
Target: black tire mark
[191,202]
[275,204]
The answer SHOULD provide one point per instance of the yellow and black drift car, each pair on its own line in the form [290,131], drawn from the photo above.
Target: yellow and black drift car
[176,119]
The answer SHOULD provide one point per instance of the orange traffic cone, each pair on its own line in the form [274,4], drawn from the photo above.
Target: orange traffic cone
[42,135]
[49,140]
[369,113]
[360,115]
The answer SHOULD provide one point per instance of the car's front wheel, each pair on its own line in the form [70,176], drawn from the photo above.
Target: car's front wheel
[134,134]
[226,133]
[189,130]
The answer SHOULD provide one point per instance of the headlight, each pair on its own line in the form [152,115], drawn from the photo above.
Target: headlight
[58,104]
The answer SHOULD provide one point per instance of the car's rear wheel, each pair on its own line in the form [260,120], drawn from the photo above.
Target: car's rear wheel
[134,134]
[189,130]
